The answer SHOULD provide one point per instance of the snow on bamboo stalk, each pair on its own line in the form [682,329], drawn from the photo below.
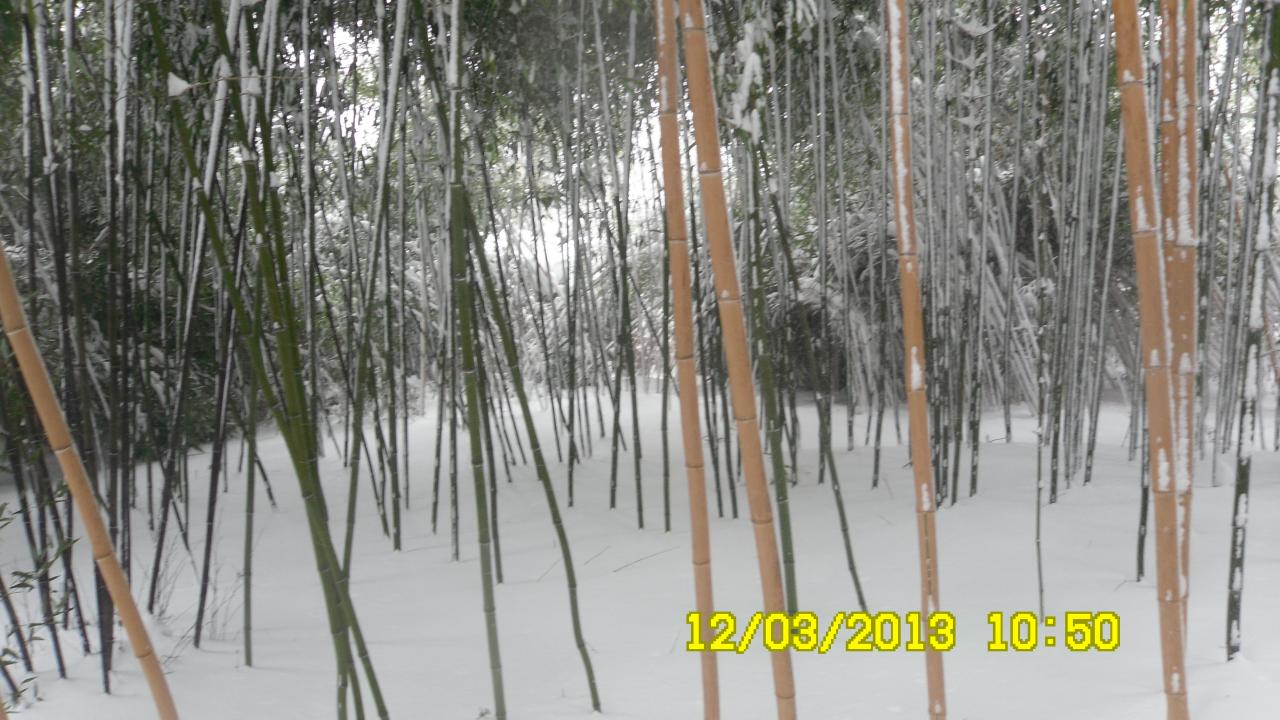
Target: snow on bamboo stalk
[1244,455]
[1178,157]
[733,326]
[1166,471]
[682,308]
[39,385]
[1255,287]
[896,66]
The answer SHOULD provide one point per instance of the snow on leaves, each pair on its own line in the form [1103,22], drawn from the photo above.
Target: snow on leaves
[177,85]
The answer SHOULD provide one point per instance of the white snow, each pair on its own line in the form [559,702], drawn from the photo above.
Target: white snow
[1242,509]
[177,85]
[422,617]
[1184,364]
[899,107]
[251,85]
[1163,474]
[973,28]
[742,113]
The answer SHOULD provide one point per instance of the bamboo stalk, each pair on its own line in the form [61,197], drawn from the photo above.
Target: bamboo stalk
[251,429]
[1253,287]
[464,313]
[682,309]
[539,461]
[1178,195]
[733,328]
[1153,313]
[39,385]
[897,52]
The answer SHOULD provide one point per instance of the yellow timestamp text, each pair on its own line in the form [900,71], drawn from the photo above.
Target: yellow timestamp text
[805,632]
[1081,631]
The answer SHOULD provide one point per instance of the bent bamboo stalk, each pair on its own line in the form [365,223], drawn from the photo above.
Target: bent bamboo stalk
[36,376]
[682,310]
[1156,348]
[738,356]
[897,50]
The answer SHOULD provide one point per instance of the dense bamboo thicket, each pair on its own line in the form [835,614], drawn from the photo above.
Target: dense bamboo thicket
[324,221]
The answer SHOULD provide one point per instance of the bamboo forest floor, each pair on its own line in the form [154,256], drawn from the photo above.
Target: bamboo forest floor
[421,610]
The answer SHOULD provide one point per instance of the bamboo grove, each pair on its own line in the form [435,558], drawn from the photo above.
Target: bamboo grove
[323,220]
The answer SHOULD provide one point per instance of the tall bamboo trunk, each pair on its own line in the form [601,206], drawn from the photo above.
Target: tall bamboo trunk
[1253,287]
[682,308]
[1178,194]
[36,376]
[1153,308]
[897,51]
[733,326]
[465,318]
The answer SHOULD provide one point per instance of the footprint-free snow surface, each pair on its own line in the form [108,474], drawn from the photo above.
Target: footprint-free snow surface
[422,617]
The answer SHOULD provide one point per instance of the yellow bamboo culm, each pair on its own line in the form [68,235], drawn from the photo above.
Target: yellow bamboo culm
[724,268]
[1178,195]
[36,376]
[1153,311]
[682,311]
[898,61]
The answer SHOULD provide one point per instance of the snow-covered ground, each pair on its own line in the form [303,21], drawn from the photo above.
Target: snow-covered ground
[421,610]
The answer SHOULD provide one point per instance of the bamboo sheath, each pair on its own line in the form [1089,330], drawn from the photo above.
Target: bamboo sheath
[682,309]
[36,376]
[898,51]
[1178,195]
[737,355]
[1153,311]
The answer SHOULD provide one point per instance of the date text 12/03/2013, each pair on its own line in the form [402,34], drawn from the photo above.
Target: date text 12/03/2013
[913,631]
